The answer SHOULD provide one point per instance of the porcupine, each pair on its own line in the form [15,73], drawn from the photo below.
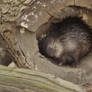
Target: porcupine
[68,42]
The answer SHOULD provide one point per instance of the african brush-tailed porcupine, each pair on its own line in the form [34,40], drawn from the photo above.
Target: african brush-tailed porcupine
[70,40]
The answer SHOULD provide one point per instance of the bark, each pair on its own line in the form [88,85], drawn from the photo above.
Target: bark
[21,19]
[21,80]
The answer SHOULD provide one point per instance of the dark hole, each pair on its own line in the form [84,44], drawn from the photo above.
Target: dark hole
[66,42]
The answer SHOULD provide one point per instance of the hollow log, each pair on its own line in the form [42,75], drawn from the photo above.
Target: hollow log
[21,19]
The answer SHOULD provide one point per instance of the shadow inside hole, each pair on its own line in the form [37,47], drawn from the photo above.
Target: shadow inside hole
[73,34]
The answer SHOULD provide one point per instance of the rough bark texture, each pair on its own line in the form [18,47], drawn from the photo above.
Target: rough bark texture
[21,19]
[20,80]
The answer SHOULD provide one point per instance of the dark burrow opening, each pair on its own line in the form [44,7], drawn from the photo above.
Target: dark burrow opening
[65,42]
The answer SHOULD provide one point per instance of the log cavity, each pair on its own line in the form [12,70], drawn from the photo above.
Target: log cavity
[52,28]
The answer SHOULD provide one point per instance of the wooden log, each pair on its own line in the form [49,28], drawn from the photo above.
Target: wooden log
[31,14]
[23,80]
